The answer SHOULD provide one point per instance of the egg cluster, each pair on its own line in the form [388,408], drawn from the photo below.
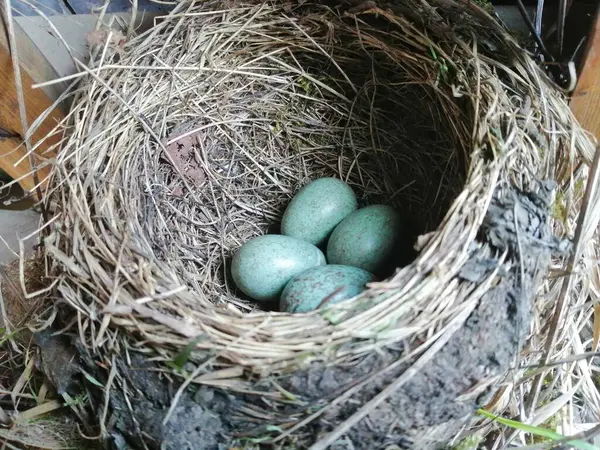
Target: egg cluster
[359,243]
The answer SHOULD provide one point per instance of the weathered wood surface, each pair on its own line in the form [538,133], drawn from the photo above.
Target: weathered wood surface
[13,159]
[585,102]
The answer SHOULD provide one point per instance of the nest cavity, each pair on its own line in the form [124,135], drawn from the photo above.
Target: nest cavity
[253,113]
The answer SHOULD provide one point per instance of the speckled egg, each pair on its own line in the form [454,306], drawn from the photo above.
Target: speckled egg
[324,285]
[317,209]
[263,266]
[367,238]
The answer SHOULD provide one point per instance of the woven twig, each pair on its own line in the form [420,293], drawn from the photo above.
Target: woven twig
[190,139]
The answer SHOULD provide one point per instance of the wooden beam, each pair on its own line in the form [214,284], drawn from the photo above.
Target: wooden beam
[31,58]
[585,102]
[42,57]
[13,159]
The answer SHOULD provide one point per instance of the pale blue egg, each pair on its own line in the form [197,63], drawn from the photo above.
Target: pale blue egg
[316,210]
[324,285]
[263,266]
[367,238]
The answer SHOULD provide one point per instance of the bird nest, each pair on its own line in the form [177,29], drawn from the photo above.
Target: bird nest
[186,141]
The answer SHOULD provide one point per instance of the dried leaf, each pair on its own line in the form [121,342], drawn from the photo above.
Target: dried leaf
[182,156]
[4,419]
[43,393]
[99,38]
[596,331]
[31,436]
[232,372]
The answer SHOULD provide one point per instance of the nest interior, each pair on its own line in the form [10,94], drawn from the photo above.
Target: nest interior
[277,105]
[188,140]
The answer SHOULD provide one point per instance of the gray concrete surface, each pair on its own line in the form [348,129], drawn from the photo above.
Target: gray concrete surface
[14,226]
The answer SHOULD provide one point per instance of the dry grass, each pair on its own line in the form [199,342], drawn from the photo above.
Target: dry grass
[31,415]
[261,101]
[187,227]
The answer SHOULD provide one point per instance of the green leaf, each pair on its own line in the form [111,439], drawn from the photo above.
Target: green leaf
[176,368]
[185,353]
[537,431]
[4,336]
[256,440]
[91,379]
[433,53]
[274,428]
[78,400]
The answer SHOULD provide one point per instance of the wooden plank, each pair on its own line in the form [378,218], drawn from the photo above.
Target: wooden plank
[54,59]
[43,55]
[66,7]
[12,150]
[585,102]
[32,59]
[43,58]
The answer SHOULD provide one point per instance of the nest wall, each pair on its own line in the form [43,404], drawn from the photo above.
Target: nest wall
[185,141]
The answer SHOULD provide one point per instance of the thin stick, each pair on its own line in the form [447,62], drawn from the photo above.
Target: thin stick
[532,30]
[539,15]
[5,319]
[12,42]
[561,19]
[567,285]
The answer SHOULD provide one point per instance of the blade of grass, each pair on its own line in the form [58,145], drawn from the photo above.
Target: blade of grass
[537,431]
[184,355]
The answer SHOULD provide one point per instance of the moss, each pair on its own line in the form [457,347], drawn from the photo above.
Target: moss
[468,443]
[331,316]
[306,85]
[445,72]
[485,4]
[579,187]
[553,422]
[559,208]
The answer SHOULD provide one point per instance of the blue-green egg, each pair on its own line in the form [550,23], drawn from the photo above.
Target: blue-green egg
[263,266]
[324,285]
[367,238]
[316,210]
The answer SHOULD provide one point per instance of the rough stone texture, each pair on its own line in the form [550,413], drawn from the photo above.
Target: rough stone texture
[424,412]
[195,424]
[59,361]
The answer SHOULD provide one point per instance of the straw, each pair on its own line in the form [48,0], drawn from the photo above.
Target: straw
[190,139]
